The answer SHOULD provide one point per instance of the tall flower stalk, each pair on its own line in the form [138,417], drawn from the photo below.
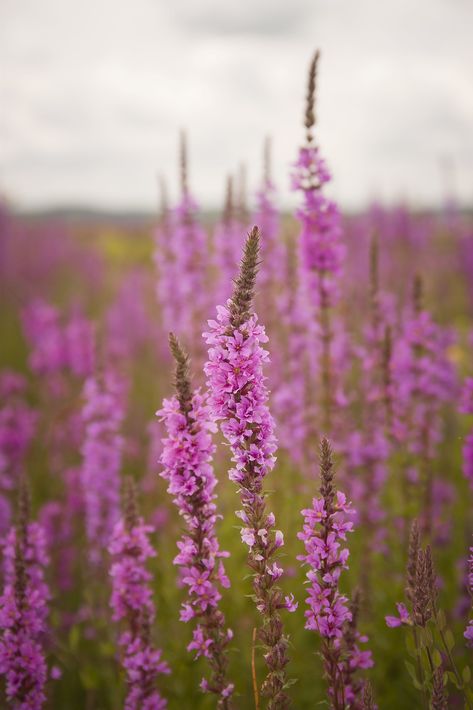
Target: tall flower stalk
[431,637]
[329,612]
[238,398]
[181,249]
[164,259]
[103,414]
[187,467]
[321,254]
[227,243]
[267,218]
[423,381]
[366,449]
[466,407]
[132,604]
[23,613]
[17,428]
[469,629]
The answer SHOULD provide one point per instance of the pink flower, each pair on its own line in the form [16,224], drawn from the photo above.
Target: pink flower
[103,413]
[23,616]
[187,467]
[328,613]
[403,618]
[132,603]
[468,634]
[238,399]
[248,536]
[200,643]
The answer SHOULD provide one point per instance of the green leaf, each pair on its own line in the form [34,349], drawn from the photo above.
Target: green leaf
[425,661]
[411,647]
[437,658]
[89,677]
[74,638]
[466,674]
[427,636]
[412,672]
[452,679]
[449,640]
[441,621]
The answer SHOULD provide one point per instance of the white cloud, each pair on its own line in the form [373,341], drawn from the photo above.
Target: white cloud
[93,95]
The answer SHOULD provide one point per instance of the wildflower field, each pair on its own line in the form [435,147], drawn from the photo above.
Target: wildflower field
[236,453]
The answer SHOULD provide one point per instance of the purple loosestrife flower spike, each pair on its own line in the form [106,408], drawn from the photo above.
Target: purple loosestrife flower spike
[466,407]
[238,398]
[354,659]
[102,413]
[181,258]
[228,243]
[325,529]
[420,585]
[423,379]
[421,595]
[132,604]
[272,272]
[17,428]
[469,629]
[186,458]
[23,613]
[321,255]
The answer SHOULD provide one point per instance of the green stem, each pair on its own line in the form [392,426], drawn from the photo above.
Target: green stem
[420,669]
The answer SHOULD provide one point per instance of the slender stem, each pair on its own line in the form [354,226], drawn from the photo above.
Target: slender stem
[419,667]
[253,670]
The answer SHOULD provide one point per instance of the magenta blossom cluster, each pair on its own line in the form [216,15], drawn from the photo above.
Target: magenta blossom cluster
[180,258]
[469,629]
[128,323]
[366,458]
[60,520]
[187,455]
[187,461]
[466,407]
[132,603]
[423,379]
[17,428]
[321,248]
[324,535]
[58,346]
[321,254]
[238,398]
[23,617]
[103,414]
[238,394]
[290,389]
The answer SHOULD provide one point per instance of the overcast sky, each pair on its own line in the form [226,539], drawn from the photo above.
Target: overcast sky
[93,93]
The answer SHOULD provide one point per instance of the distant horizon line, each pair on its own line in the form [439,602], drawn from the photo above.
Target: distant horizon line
[78,210]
